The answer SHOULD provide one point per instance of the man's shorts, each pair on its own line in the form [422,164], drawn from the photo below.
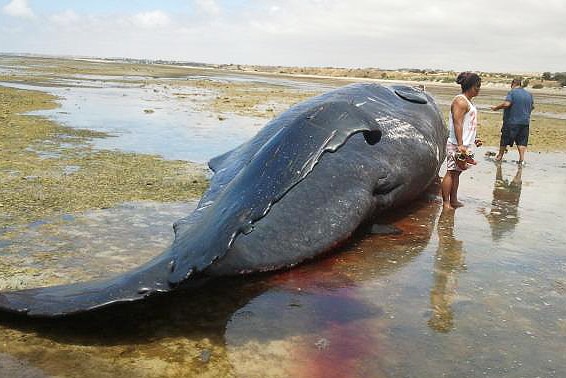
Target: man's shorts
[514,134]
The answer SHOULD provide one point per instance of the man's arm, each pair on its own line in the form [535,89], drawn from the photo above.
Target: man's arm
[504,105]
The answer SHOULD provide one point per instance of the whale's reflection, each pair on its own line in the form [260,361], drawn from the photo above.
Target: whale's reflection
[327,311]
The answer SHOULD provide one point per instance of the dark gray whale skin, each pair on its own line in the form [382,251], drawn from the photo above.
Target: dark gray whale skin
[297,189]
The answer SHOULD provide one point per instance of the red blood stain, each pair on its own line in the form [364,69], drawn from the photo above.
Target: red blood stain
[341,351]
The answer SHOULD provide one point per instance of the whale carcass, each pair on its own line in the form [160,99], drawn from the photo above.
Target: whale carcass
[297,189]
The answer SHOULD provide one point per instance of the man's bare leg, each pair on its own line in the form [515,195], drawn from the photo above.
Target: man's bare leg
[502,150]
[522,150]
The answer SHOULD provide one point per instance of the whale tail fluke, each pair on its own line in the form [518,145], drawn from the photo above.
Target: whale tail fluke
[147,280]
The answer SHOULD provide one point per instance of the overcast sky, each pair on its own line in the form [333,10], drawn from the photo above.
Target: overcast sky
[481,35]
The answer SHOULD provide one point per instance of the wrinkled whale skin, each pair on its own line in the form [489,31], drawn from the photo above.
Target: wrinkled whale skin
[298,188]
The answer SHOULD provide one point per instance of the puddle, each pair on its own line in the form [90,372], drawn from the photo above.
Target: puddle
[153,119]
[94,245]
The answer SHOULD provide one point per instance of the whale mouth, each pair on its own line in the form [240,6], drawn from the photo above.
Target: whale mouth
[385,191]
[385,187]
[385,199]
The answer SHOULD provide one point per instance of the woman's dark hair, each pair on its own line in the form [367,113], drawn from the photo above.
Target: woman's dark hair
[468,80]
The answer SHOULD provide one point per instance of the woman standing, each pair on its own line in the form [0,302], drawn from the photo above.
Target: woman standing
[462,123]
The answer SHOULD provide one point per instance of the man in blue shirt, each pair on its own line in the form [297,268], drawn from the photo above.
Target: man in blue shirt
[517,107]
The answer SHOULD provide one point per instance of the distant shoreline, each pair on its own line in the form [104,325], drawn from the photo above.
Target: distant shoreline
[426,76]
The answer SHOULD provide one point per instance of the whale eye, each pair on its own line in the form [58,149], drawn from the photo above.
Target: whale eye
[372,136]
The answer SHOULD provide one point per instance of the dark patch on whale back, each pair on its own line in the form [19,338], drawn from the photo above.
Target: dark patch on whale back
[411,94]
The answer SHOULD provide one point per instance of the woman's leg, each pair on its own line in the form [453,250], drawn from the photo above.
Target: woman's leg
[449,187]
[446,188]
[454,193]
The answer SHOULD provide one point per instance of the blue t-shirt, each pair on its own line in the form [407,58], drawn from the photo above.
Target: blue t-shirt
[519,113]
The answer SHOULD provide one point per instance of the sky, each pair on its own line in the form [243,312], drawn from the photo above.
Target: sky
[514,36]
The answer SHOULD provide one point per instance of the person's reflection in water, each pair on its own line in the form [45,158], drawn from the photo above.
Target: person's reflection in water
[503,216]
[449,261]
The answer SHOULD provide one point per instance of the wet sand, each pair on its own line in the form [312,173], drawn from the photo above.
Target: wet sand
[477,292]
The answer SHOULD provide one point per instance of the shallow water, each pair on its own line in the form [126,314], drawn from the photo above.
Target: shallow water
[472,293]
[151,119]
[477,292]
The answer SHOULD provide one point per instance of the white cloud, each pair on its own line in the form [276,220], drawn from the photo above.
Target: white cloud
[404,33]
[209,7]
[18,8]
[66,18]
[151,20]
[488,36]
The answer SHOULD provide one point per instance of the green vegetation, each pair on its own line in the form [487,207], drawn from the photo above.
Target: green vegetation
[559,77]
[48,169]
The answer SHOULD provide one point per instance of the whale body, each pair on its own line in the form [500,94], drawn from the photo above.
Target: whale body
[294,191]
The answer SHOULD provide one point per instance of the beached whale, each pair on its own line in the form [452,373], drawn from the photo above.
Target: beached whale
[296,190]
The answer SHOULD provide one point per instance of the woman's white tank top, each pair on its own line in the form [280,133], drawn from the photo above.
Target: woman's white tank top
[470,125]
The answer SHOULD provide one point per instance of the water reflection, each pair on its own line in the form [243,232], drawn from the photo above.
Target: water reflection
[318,319]
[151,119]
[504,215]
[449,261]
[329,319]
